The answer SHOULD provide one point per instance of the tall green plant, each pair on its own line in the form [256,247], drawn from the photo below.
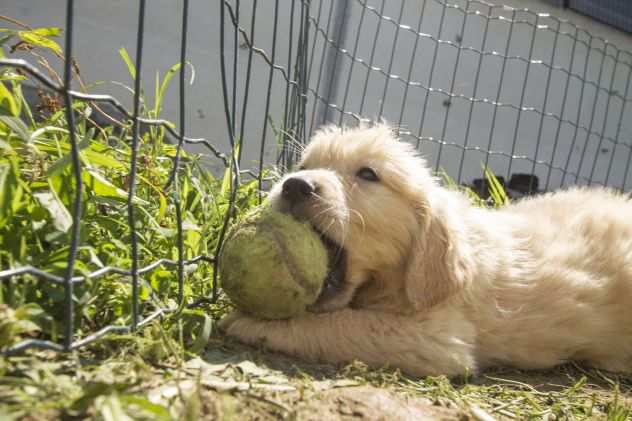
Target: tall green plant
[37,188]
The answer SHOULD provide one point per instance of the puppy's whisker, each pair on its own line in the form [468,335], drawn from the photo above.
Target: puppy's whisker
[294,142]
[359,215]
[343,237]
[326,230]
[294,147]
[293,151]
[325,210]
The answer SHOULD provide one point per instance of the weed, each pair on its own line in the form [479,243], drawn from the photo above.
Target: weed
[37,188]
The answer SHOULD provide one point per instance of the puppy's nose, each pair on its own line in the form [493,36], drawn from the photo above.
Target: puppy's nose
[296,190]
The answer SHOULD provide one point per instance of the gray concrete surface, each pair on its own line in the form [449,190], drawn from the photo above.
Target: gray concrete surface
[103,27]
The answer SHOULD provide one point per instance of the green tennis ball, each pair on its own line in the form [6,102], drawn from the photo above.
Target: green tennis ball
[271,265]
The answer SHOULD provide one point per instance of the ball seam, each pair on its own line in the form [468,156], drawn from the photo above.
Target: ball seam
[294,272]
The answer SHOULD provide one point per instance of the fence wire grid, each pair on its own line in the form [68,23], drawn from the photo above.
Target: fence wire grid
[471,84]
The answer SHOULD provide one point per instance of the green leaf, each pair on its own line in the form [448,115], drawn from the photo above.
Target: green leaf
[37,134]
[10,190]
[159,412]
[161,197]
[103,188]
[6,146]
[131,68]
[452,184]
[228,174]
[38,40]
[52,31]
[89,151]
[203,335]
[9,75]
[62,219]
[163,88]
[59,165]
[101,159]
[496,190]
[110,408]
[17,126]
[165,84]
[8,105]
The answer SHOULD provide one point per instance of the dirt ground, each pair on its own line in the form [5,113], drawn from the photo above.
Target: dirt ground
[229,381]
[236,382]
[240,383]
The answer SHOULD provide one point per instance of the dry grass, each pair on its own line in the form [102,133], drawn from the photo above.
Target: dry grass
[231,381]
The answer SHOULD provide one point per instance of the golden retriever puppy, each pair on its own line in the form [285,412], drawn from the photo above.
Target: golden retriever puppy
[425,282]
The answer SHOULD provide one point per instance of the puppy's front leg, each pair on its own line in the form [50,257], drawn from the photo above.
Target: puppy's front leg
[417,347]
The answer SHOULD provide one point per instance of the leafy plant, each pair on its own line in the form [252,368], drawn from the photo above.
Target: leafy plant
[497,195]
[496,190]
[37,191]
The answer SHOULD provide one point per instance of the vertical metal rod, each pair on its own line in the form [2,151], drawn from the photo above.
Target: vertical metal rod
[76,167]
[351,66]
[248,73]
[619,125]
[231,138]
[562,112]
[372,57]
[302,80]
[267,107]
[332,73]
[311,65]
[296,112]
[176,166]
[317,109]
[499,91]
[605,120]
[131,216]
[522,95]
[592,116]
[288,86]
[444,129]
[544,104]
[459,177]
[234,75]
[411,66]
[392,58]
[579,111]
[424,108]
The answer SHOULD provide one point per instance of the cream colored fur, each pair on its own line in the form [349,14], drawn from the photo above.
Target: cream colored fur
[437,286]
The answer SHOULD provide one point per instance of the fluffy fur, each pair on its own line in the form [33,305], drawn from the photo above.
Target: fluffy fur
[436,286]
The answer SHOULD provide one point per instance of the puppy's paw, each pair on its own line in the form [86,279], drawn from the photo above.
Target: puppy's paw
[229,320]
[246,329]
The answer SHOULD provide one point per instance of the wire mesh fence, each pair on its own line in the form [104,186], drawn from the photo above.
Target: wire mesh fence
[471,84]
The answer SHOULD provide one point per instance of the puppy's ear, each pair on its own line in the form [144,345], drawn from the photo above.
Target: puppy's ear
[438,266]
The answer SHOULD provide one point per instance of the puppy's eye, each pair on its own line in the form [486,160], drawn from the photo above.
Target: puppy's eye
[367,174]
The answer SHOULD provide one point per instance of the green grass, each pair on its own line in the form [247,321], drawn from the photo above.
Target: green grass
[178,367]
[37,188]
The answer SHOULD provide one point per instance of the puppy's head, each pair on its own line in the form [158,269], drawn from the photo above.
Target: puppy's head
[370,197]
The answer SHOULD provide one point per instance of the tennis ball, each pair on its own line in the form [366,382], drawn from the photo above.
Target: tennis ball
[271,265]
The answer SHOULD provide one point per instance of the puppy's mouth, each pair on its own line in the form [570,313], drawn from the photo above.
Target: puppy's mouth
[337,258]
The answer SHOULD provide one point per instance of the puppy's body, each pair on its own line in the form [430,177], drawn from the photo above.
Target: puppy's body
[436,286]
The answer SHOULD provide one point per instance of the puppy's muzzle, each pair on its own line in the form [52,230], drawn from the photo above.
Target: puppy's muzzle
[298,195]
[297,190]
